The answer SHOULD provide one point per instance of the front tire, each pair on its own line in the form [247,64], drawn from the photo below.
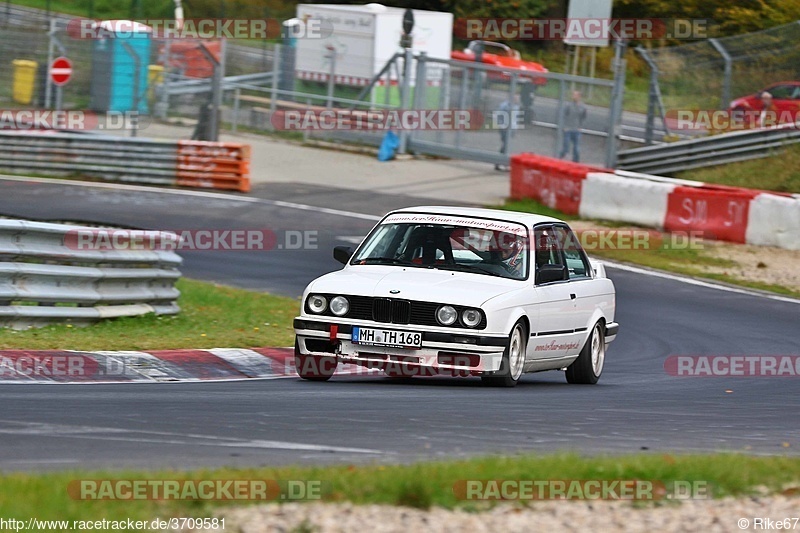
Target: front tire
[586,369]
[513,360]
[313,367]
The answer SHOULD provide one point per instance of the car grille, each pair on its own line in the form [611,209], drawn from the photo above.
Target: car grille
[396,311]
[392,311]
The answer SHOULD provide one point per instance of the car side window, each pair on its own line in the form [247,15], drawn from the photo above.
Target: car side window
[577,266]
[548,249]
[782,92]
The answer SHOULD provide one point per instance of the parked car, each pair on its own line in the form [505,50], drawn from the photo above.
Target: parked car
[501,55]
[460,291]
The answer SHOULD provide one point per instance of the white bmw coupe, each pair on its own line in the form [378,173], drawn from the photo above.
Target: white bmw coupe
[460,291]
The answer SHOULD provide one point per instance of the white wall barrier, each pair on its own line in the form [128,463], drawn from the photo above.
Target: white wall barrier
[774,221]
[638,201]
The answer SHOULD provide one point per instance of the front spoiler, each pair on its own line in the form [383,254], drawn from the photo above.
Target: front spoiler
[612,328]
[441,353]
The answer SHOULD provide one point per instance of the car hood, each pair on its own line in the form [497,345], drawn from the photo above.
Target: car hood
[422,284]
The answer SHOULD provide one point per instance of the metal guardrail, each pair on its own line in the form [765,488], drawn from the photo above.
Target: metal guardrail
[197,86]
[114,158]
[709,151]
[127,159]
[46,277]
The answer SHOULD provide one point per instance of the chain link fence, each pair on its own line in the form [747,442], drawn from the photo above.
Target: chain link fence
[709,74]
[258,80]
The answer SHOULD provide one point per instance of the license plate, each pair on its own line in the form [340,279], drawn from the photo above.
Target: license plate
[386,337]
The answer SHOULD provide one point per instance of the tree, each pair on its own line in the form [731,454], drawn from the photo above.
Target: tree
[731,17]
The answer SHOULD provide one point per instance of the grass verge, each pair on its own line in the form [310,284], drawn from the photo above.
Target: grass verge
[662,253]
[211,316]
[779,173]
[421,485]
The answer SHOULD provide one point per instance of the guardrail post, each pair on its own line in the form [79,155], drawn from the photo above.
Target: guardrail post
[508,133]
[726,82]
[655,93]
[617,94]
[216,88]
[420,86]
[273,100]
[462,102]
[331,76]
[652,96]
[235,124]
[444,97]
[48,86]
[562,89]
[406,96]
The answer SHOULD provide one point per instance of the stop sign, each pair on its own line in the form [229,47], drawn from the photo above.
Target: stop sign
[60,71]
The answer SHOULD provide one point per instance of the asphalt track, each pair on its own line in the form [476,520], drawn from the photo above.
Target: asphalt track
[636,406]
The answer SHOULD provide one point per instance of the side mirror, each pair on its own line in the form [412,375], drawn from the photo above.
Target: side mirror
[342,254]
[550,273]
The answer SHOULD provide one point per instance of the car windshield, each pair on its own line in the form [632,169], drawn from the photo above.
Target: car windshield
[493,48]
[480,246]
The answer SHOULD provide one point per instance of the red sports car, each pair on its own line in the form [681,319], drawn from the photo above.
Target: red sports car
[785,97]
[500,55]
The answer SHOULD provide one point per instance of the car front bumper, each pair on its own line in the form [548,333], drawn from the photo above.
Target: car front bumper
[451,353]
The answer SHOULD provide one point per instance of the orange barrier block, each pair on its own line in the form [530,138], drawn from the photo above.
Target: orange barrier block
[214,165]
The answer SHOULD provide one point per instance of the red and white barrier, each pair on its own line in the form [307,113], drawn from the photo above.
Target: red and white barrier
[553,182]
[720,212]
[638,201]
[774,221]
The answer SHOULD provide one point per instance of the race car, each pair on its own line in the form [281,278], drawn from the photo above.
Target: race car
[501,55]
[460,292]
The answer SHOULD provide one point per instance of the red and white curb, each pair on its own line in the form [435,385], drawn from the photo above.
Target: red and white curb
[216,364]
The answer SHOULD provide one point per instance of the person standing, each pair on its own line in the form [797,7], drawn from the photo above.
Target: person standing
[574,117]
[767,115]
[508,121]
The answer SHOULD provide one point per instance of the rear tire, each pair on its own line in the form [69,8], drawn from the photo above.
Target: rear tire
[313,367]
[513,360]
[586,369]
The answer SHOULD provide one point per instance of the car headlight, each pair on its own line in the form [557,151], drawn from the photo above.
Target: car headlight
[446,315]
[339,305]
[471,318]
[317,304]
